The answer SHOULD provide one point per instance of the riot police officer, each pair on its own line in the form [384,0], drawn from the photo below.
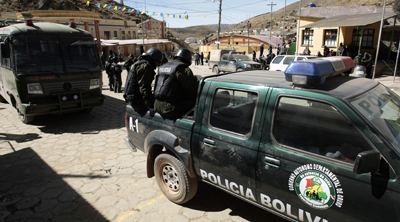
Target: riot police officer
[176,86]
[138,91]
[116,70]
[110,73]
[367,62]
[129,62]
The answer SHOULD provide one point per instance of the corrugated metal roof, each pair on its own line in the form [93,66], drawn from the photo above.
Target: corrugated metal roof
[350,20]
[326,12]
[133,41]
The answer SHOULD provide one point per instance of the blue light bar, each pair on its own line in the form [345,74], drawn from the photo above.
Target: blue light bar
[309,72]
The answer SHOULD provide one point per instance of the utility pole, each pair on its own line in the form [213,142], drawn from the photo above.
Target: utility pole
[248,36]
[298,31]
[270,24]
[379,39]
[284,17]
[219,22]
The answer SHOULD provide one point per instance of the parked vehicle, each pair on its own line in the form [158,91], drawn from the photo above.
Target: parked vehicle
[232,62]
[49,68]
[281,62]
[301,145]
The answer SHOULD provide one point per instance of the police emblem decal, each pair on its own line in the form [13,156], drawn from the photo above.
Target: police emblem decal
[316,186]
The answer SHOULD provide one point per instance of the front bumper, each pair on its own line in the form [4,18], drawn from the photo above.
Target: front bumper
[129,144]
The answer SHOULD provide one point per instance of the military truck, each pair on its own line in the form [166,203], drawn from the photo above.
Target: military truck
[230,61]
[49,68]
[307,145]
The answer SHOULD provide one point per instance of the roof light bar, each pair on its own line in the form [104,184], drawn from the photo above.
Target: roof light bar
[28,22]
[72,24]
[315,71]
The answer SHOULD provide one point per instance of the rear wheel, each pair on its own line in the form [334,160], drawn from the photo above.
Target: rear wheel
[173,179]
[215,70]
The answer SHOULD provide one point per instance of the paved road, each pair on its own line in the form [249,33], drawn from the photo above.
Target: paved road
[75,167]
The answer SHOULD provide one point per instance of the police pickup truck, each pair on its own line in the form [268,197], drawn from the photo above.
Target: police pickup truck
[300,145]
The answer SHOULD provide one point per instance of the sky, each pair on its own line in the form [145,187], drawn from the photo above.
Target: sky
[205,12]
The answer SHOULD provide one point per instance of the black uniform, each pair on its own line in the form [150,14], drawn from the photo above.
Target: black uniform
[128,64]
[110,75]
[117,70]
[175,90]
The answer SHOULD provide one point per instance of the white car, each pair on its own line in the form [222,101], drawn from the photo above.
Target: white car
[281,62]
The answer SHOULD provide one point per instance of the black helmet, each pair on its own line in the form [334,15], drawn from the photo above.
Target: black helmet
[116,59]
[185,55]
[154,54]
[131,56]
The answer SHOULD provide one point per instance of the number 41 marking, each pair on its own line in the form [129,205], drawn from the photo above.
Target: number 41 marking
[134,127]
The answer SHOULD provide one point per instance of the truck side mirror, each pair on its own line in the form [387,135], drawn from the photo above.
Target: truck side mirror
[367,162]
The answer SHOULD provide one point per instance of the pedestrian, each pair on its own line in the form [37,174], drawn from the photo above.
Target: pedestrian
[103,61]
[116,70]
[332,53]
[306,51]
[176,87]
[367,62]
[138,90]
[196,58]
[326,51]
[284,49]
[202,58]
[129,62]
[278,49]
[340,49]
[110,73]
[270,49]
[261,49]
[244,52]
[319,54]
[254,55]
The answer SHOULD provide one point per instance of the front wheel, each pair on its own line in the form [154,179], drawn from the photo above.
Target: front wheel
[24,118]
[216,70]
[173,179]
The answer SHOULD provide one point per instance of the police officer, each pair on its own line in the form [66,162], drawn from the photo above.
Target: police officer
[176,86]
[138,91]
[357,59]
[129,62]
[110,73]
[116,70]
[367,62]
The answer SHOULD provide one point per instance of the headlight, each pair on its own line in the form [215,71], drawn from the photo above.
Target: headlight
[248,66]
[94,83]
[34,88]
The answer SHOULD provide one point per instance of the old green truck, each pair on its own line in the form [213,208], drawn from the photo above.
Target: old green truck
[49,68]
[306,145]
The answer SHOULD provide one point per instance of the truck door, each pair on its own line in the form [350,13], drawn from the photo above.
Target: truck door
[229,138]
[224,62]
[306,159]
[231,63]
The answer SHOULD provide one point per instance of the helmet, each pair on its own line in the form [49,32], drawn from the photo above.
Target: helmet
[154,54]
[131,56]
[115,59]
[185,55]
[110,57]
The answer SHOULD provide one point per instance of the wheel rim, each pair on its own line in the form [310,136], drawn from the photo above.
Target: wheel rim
[170,177]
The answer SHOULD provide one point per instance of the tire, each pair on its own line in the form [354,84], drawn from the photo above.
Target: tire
[173,179]
[216,70]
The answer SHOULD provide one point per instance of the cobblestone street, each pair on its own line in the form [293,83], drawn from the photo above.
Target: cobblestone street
[76,167]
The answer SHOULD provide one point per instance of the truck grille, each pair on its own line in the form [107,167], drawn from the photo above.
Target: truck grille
[65,86]
[256,66]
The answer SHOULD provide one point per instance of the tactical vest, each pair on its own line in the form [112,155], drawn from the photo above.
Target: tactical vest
[167,87]
[132,93]
[116,69]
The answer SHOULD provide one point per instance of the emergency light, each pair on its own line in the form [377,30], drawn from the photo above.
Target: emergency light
[315,71]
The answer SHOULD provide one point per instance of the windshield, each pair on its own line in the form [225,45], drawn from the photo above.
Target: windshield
[48,54]
[381,107]
[241,58]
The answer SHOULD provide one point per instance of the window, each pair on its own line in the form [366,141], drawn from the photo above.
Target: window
[301,58]
[318,128]
[224,57]
[233,110]
[367,40]
[288,60]
[330,37]
[308,37]
[115,34]
[278,59]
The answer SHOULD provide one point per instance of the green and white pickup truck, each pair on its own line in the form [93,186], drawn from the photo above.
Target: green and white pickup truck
[308,149]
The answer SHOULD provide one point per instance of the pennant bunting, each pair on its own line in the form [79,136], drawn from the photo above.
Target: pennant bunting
[124,9]
[185,13]
[109,6]
[116,7]
[119,8]
[88,3]
[129,10]
[205,16]
[104,5]
[98,5]
[187,17]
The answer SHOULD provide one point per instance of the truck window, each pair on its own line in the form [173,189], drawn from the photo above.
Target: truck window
[233,110]
[278,59]
[224,57]
[288,60]
[318,128]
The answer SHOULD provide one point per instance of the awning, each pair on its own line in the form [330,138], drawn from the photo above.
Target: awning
[108,44]
[350,20]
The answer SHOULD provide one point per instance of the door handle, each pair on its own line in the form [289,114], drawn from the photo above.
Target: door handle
[208,141]
[270,160]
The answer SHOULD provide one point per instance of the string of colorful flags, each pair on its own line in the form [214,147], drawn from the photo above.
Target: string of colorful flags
[106,6]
